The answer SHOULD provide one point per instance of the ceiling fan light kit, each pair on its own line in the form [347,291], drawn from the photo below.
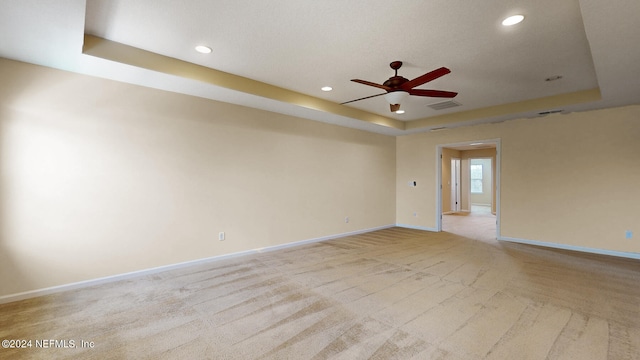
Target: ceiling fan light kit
[396,97]
[398,88]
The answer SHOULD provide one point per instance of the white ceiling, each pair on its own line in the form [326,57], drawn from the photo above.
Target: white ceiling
[304,45]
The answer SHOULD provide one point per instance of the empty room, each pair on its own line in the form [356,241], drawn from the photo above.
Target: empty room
[319,180]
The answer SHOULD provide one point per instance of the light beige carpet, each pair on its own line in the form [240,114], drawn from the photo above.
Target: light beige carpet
[390,294]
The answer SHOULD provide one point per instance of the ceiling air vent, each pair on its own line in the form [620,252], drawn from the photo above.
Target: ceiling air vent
[444,105]
[543,113]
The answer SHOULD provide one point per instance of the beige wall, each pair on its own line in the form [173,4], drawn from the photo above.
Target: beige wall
[565,179]
[101,178]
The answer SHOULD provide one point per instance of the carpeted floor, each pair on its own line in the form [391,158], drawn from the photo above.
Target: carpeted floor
[390,294]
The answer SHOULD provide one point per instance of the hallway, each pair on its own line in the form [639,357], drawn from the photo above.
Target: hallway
[478,224]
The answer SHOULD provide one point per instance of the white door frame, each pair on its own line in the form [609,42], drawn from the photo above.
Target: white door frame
[439,179]
[455,184]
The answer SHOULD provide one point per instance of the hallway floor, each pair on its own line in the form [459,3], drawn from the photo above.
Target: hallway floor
[478,224]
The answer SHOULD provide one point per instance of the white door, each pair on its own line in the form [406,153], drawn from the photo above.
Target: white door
[455,184]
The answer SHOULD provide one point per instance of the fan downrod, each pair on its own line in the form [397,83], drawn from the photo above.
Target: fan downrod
[395,66]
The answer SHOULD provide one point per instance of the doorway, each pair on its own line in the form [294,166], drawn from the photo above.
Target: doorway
[468,178]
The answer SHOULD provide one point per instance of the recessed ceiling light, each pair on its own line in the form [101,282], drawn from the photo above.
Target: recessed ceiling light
[399,111]
[326,88]
[474,144]
[203,49]
[512,20]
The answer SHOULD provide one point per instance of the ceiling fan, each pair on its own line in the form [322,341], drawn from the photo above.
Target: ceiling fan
[398,87]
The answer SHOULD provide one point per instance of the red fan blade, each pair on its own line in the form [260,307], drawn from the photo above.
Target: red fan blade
[371,84]
[430,76]
[433,93]
[367,97]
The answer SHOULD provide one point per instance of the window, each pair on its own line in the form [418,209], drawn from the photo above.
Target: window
[476,179]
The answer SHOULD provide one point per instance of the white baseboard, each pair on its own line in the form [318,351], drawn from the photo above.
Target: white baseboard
[107,279]
[323,238]
[623,254]
[417,227]
[456,212]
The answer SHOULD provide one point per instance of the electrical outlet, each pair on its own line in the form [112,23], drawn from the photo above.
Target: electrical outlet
[221,235]
[628,234]
[346,220]
[415,214]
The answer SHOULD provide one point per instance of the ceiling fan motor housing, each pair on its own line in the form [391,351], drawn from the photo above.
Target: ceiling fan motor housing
[395,82]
